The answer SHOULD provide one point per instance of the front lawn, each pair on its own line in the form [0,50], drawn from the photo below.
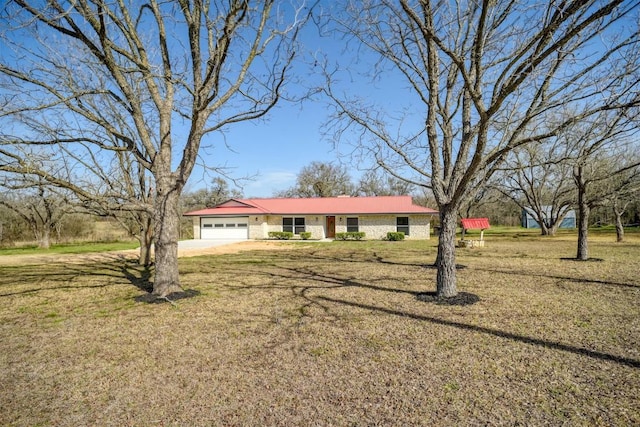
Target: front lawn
[329,334]
[70,248]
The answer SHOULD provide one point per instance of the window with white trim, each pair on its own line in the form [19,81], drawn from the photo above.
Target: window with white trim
[352,225]
[294,225]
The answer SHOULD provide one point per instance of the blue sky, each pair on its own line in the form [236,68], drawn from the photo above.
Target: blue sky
[271,152]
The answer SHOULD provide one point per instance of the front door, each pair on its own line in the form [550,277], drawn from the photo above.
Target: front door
[331,227]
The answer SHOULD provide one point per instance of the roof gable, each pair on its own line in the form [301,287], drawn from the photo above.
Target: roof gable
[228,208]
[234,203]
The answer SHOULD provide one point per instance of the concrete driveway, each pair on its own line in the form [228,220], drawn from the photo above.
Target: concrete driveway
[206,243]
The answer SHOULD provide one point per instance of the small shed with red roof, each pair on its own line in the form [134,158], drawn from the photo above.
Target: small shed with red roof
[323,217]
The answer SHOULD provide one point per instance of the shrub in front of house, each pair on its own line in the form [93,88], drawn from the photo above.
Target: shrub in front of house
[280,235]
[350,235]
[305,235]
[395,236]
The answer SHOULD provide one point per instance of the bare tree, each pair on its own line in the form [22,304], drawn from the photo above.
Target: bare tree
[481,78]
[539,179]
[117,187]
[619,206]
[152,80]
[491,203]
[374,183]
[37,205]
[132,181]
[320,179]
[606,167]
[218,192]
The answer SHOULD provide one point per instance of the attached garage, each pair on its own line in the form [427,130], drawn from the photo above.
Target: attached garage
[224,228]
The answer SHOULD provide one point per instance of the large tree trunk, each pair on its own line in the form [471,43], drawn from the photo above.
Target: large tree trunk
[42,236]
[583,226]
[446,260]
[166,234]
[546,230]
[45,238]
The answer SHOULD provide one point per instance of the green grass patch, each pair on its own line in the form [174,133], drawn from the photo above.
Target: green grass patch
[71,248]
[533,234]
[611,229]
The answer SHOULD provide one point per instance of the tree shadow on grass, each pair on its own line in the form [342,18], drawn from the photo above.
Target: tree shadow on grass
[462,299]
[324,280]
[61,276]
[565,278]
[377,258]
[328,282]
[52,288]
[120,268]
[68,275]
[305,283]
[427,296]
[140,277]
[495,332]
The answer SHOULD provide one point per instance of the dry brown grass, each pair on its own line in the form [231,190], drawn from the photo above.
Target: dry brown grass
[328,334]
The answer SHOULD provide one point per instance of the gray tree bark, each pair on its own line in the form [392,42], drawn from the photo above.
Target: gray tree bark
[583,221]
[446,283]
[146,242]
[166,235]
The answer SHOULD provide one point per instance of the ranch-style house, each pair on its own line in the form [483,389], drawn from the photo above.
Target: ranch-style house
[323,217]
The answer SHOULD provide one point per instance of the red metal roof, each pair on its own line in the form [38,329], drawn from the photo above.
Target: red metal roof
[316,206]
[475,223]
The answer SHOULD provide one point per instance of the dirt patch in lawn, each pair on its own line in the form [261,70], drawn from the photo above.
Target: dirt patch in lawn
[234,248]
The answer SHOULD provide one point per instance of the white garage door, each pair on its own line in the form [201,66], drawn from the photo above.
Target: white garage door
[224,228]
